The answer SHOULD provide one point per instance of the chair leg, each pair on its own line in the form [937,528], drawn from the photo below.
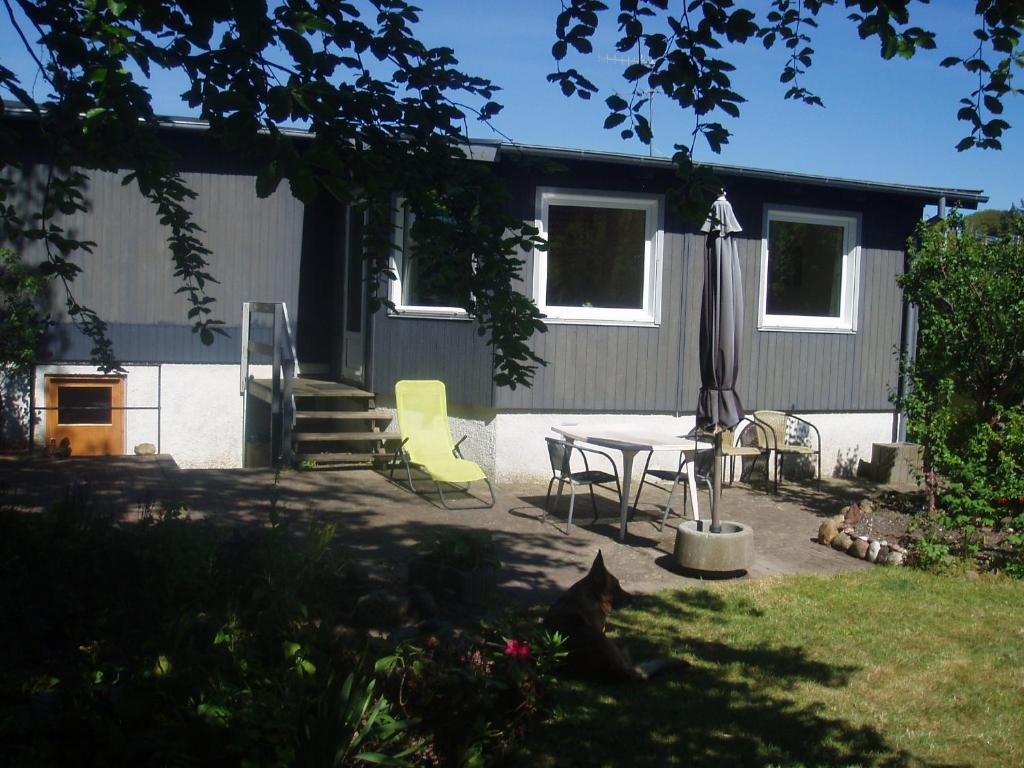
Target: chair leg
[408,472]
[446,505]
[668,502]
[547,498]
[572,503]
[819,467]
[593,501]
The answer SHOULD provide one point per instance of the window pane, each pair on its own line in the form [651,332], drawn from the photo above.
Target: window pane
[425,285]
[596,257]
[805,269]
[84,405]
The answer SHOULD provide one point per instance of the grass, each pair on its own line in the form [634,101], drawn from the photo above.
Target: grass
[879,668]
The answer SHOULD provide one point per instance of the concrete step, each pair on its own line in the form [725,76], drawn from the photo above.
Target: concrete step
[343,437]
[342,457]
[371,415]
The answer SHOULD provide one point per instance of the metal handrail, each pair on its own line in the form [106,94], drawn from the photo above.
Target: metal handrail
[282,397]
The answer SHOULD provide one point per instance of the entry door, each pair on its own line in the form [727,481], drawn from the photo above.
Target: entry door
[353,353]
[88,412]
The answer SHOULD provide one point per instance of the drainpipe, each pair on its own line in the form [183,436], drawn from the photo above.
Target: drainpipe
[908,345]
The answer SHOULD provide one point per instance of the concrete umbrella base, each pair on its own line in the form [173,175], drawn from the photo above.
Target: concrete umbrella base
[729,553]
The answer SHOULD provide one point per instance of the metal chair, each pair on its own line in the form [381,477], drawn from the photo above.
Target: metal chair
[776,424]
[746,440]
[560,454]
[700,462]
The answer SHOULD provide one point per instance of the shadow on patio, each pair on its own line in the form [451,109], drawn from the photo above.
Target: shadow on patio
[382,524]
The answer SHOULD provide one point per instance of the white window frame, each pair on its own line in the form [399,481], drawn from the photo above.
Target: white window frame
[649,314]
[850,287]
[396,262]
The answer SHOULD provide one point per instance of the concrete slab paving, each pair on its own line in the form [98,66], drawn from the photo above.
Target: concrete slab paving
[382,524]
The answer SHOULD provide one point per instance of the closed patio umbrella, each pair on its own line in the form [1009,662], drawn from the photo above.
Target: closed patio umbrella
[721,320]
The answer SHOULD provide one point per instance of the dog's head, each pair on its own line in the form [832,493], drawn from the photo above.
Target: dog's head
[605,585]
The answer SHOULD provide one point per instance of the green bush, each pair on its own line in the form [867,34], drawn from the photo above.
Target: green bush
[966,402]
[473,699]
[173,641]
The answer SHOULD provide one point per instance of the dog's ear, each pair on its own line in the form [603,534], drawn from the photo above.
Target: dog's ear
[597,569]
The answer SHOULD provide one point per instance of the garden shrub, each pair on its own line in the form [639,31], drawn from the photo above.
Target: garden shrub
[966,400]
[173,641]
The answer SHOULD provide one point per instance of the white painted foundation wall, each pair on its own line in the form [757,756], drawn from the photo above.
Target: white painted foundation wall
[521,453]
[192,412]
[200,417]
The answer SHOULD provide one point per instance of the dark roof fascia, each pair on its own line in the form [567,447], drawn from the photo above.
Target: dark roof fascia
[969,198]
[491,150]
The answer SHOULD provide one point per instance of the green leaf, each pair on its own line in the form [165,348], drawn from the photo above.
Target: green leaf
[614,119]
[616,103]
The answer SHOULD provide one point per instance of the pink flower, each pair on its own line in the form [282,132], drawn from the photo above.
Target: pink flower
[517,649]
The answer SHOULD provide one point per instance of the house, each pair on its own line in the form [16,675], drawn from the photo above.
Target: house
[824,317]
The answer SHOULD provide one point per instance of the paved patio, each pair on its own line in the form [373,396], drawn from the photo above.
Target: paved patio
[382,524]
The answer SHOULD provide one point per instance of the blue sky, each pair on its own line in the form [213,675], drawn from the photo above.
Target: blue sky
[884,121]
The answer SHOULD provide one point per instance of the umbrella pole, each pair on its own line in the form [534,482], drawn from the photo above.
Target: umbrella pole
[716,486]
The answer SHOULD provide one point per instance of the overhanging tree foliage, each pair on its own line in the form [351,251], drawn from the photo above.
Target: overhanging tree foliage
[678,47]
[387,113]
[21,322]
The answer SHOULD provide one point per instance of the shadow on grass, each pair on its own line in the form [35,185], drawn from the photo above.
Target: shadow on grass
[734,706]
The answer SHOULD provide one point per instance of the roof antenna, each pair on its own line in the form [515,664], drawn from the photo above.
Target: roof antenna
[649,92]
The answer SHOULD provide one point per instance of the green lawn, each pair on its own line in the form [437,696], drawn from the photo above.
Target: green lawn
[883,667]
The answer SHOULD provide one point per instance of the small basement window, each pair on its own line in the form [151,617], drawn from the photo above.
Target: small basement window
[603,260]
[810,269]
[84,405]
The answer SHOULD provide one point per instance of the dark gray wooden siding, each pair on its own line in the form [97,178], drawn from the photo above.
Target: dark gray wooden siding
[420,348]
[605,368]
[129,281]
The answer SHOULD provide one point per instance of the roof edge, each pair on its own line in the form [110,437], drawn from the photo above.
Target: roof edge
[970,197]
[491,150]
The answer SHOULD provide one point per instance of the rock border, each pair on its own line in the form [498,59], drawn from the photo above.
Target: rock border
[839,532]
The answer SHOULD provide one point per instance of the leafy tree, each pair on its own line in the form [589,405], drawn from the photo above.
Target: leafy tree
[678,56]
[991,223]
[387,113]
[966,402]
[22,323]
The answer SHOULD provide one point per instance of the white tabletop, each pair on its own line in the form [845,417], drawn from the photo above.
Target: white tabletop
[631,437]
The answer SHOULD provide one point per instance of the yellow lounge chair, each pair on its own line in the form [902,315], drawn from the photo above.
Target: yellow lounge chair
[427,440]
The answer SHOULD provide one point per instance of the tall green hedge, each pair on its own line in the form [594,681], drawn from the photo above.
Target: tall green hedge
[966,402]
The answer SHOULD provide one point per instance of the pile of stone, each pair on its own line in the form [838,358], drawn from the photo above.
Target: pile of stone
[840,533]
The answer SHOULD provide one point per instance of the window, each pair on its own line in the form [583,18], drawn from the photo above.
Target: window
[421,288]
[603,260]
[84,405]
[810,263]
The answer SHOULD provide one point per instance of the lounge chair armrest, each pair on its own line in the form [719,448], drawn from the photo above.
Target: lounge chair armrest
[455,449]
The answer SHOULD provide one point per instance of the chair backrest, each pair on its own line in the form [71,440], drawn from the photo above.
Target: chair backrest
[559,453]
[423,419]
[776,423]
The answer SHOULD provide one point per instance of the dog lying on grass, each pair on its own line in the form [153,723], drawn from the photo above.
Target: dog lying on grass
[581,614]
